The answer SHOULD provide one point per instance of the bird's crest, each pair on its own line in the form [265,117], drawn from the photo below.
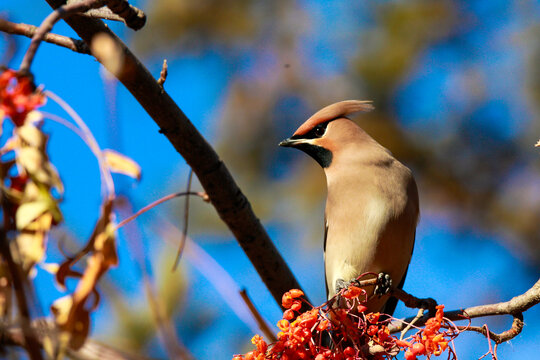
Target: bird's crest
[334,111]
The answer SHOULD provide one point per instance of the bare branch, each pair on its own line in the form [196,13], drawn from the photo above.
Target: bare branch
[118,10]
[229,201]
[257,316]
[30,30]
[134,18]
[515,307]
[517,327]
[158,202]
[47,25]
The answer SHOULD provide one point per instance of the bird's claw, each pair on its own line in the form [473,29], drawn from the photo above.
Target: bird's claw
[384,284]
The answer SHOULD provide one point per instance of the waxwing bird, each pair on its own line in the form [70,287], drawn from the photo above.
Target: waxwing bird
[372,203]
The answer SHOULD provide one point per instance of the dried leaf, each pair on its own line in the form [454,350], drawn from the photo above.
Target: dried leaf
[72,320]
[31,159]
[122,164]
[28,212]
[61,309]
[31,192]
[64,271]
[102,250]
[81,327]
[54,178]
[32,241]
[32,136]
[106,244]
[33,117]
[51,268]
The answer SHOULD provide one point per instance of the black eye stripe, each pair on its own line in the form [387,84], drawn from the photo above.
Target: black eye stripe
[314,133]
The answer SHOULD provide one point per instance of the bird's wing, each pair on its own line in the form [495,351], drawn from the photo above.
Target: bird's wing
[392,302]
[324,247]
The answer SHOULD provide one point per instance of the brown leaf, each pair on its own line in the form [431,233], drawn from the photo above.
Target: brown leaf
[72,319]
[64,271]
[31,159]
[32,136]
[61,308]
[29,211]
[32,241]
[122,164]
[106,244]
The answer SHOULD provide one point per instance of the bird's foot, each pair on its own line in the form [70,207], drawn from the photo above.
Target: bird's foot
[429,304]
[384,284]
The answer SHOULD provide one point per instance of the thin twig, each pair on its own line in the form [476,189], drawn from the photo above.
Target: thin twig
[30,30]
[118,10]
[47,25]
[186,222]
[412,301]
[411,324]
[90,140]
[515,329]
[133,17]
[156,203]
[258,317]
[163,73]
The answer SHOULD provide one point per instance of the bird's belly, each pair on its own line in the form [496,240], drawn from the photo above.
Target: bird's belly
[349,255]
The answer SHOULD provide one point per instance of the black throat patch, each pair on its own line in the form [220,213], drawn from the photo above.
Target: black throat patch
[321,155]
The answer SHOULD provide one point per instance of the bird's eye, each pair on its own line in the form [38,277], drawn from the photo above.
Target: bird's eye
[319,130]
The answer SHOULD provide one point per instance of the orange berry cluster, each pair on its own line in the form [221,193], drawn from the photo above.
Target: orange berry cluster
[329,333]
[430,340]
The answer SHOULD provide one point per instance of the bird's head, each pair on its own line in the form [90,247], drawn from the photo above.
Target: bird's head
[328,130]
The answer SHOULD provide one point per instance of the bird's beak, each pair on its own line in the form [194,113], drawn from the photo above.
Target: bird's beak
[290,142]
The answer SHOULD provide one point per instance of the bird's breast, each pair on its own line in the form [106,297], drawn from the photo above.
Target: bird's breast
[368,231]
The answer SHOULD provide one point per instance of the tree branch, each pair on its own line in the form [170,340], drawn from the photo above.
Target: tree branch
[229,201]
[29,31]
[47,25]
[133,17]
[515,307]
[515,329]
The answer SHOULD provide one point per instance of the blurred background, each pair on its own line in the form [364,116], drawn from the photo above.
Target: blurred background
[456,88]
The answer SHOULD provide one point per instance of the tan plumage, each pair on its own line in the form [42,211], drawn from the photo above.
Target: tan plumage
[372,204]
